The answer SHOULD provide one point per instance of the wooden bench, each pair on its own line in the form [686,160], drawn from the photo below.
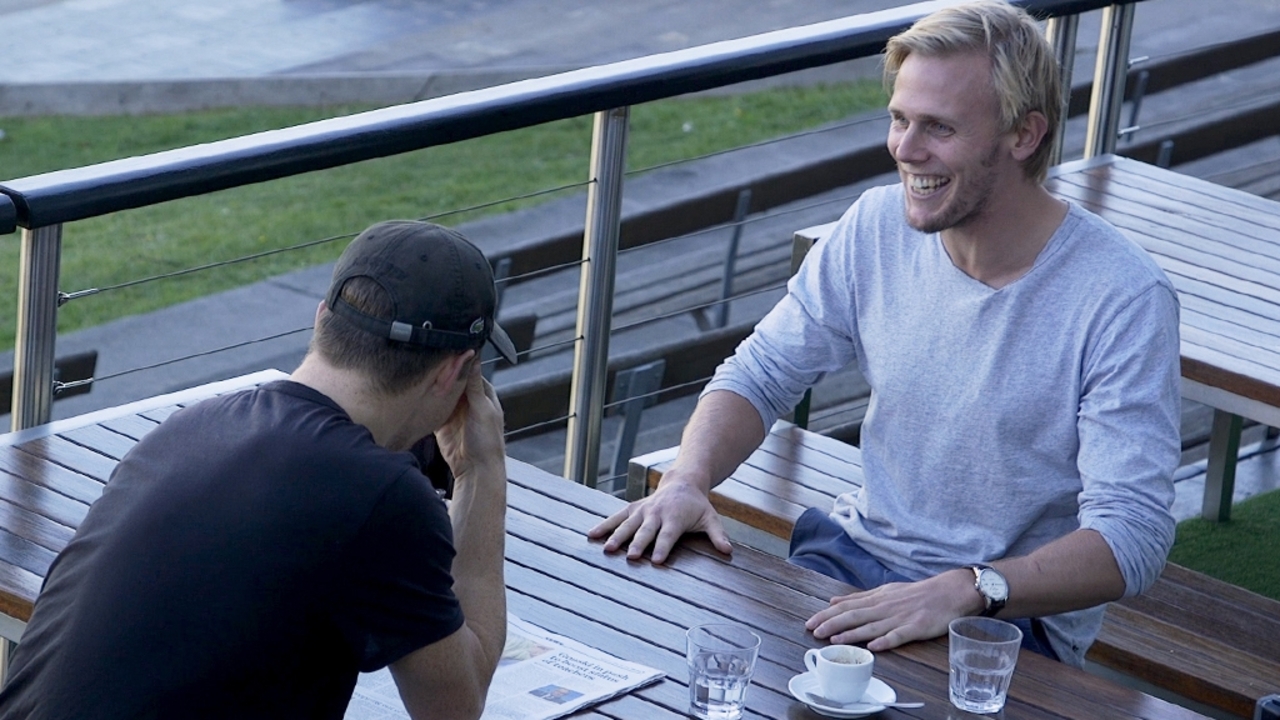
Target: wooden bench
[1191,635]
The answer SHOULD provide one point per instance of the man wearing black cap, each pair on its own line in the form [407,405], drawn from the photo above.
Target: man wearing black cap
[254,552]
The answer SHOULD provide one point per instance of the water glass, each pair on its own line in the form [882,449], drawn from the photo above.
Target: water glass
[983,652]
[721,658]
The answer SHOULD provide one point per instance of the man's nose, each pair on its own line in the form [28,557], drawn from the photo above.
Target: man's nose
[906,144]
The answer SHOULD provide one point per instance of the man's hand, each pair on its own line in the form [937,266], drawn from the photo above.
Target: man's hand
[472,436]
[674,508]
[898,613]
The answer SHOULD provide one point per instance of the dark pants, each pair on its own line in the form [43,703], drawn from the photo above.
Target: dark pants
[820,543]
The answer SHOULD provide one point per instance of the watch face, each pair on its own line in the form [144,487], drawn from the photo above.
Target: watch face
[993,585]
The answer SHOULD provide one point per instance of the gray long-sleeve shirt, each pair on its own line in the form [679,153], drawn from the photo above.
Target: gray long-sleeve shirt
[999,420]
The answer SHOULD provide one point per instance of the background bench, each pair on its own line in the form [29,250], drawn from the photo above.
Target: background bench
[1192,635]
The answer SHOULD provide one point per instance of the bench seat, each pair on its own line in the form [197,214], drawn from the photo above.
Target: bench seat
[1197,637]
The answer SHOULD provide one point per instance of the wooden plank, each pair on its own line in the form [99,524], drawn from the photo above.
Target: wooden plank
[1197,192]
[21,552]
[42,473]
[1203,362]
[101,441]
[1186,239]
[131,425]
[1212,610]
[33,528]
[42,500]
[1176,659]
[18,590]
[60,451]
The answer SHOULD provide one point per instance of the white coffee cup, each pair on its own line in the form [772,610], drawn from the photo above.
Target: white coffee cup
[843,671]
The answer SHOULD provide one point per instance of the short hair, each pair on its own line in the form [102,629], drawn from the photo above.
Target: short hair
[390,366]
[1024,71]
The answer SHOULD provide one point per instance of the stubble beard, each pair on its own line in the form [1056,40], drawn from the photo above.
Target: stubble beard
[969,203]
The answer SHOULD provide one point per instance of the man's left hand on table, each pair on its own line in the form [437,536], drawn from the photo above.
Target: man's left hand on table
[898,613]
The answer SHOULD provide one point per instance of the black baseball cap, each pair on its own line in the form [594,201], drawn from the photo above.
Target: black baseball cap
[440,285]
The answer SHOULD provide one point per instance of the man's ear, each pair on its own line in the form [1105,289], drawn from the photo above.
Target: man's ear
[320,310]
[1028,134]
[453,368]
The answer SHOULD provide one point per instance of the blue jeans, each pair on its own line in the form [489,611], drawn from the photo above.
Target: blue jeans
[820,543]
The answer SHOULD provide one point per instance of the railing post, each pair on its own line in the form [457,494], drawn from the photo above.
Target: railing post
[1061,32]
[1108,80]
[37,326]
[595,296]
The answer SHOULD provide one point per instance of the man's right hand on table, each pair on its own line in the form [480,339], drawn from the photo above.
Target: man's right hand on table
[674,509]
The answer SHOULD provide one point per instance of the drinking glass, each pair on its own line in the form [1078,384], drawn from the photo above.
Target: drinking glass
[983,652]
[721,658]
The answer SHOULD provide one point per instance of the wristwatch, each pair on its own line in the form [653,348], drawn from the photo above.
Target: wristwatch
[992,586]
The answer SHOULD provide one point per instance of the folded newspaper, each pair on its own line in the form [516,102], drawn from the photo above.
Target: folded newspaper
[541,676]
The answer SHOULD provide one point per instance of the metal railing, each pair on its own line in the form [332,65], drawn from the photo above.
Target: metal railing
[41,204]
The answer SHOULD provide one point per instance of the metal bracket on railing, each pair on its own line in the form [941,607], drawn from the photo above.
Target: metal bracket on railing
[595,295]
[1108,80]
[61,387]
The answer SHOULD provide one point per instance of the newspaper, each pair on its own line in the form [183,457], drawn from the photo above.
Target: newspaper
[541,676]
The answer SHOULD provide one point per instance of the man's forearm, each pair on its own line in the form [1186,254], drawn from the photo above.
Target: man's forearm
[478,511]
[1073,572]
[723,432]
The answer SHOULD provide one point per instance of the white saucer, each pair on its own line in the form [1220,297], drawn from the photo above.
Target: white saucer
[878,693]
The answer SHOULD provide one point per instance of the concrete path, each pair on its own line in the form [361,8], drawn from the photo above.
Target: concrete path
[92,56]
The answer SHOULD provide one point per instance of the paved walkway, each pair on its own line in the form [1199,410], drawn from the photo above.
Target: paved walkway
[107,55]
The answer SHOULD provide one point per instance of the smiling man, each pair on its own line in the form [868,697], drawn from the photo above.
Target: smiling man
[1023,429]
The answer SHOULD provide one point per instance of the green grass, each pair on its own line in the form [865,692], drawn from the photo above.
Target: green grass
[1243,551]
[127,246]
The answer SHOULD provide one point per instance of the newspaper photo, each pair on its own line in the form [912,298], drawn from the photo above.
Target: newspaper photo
[541,676]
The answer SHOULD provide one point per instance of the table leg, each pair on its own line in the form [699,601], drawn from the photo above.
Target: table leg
[1220,476]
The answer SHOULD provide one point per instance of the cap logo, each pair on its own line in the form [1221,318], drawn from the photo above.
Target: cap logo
[477,327]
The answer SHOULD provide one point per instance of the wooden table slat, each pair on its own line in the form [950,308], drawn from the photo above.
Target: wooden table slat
[61,451]
[1196,667]
[1207,197]
[23,553]
[34,527]
[56,478]
[101,441]
[133,425]
[41,500]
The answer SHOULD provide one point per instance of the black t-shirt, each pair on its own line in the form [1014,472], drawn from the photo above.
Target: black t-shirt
[247,558]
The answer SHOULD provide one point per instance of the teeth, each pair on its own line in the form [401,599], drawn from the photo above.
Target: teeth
[923,184]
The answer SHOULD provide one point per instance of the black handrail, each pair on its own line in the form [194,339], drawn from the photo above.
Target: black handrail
[80,193]
[8,216]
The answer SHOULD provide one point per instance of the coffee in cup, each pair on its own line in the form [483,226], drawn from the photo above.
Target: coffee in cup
[843,671]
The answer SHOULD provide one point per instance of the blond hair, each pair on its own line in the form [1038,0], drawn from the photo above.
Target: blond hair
[1024,71]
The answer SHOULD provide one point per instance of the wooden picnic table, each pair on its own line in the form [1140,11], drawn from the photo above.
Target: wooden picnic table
[558,580]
